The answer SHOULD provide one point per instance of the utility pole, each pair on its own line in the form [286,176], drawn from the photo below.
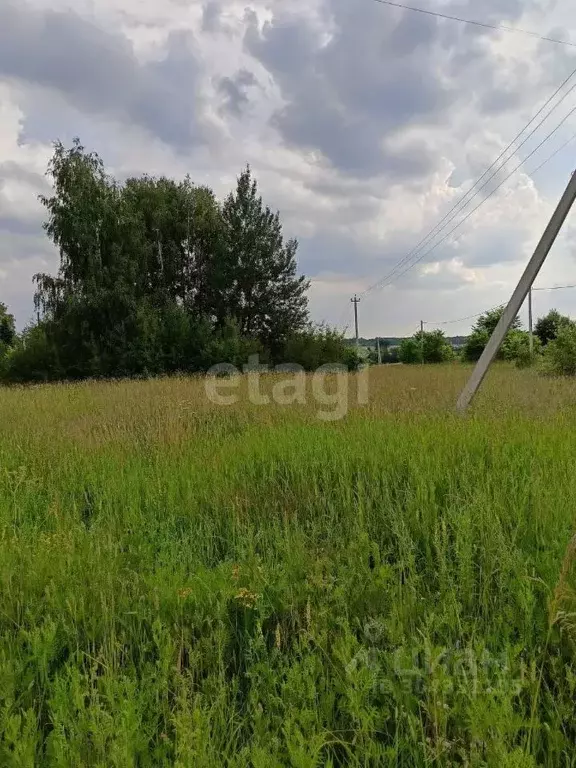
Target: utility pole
[422,341]
[379,351]
[356,301]
[530,327]
[519,296]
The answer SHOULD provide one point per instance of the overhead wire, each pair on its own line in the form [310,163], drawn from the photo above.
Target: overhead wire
[472,22]
[554,288]
[461,319]
[384,282]
[463,202]
[485,311]
[554,154]
[446,220]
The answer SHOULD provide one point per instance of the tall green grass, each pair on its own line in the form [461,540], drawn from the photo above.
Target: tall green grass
[182,585]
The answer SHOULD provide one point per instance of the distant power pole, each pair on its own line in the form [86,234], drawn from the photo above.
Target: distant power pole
[530,327]
[356,301]
[422,340]
[379,351]
[519,296]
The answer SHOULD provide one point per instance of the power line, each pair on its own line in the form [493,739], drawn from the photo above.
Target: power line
[553,155]
[485,311]
[462,319]
[485,25]
[463,202]
[554,288]
[485,200]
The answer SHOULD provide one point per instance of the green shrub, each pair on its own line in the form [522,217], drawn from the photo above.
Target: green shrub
[516,348]
[560,354]
[475,345]
[410,351]
[548,326]
[317,346]
[426,347]
[33,358]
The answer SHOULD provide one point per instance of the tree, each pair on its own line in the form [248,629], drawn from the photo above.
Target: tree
[410,351]
[489,320]
[7,327]
[560,354]
[437,348]
[319,345]
[516,348]
[547,327]
[483,330]
[475,345]
[384,353]
[156,275]
[33,358]
[426,347]
[256,281]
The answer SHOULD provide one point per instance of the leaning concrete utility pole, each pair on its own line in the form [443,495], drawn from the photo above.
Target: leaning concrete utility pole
[519,295]
[356,301]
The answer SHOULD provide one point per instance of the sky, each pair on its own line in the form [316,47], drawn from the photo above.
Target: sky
[363,124]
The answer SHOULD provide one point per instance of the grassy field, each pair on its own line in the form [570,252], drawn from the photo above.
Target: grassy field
[192,585]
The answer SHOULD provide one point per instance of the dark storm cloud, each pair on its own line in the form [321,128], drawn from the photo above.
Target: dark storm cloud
[9,170]
[234,90]
[381,71]
[17,226]
[97,71]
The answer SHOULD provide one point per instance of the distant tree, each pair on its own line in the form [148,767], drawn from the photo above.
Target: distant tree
[256,280]
[33,358]
[157,276]
[547,327]
[475,344]
[410,351]
[489,320]
[384,353]
[7,327]
[516,348]
[437,348]
[560,353]
[483,330]
[320,345]
[426,347]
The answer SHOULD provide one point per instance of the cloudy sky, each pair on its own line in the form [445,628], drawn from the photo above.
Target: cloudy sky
[364,125]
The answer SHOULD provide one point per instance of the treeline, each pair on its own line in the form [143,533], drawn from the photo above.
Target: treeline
[158,276]
[553,347]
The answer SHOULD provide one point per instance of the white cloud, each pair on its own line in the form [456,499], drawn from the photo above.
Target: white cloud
[363,126]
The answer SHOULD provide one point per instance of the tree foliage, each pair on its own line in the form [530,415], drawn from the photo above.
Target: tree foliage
[426,347]
[560,353]
[316,346]
[483,330]
[547,327]
[516,348]
[490,319]
[7,327]
[157,275]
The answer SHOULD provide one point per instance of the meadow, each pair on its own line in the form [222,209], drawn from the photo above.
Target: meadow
[186,584]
